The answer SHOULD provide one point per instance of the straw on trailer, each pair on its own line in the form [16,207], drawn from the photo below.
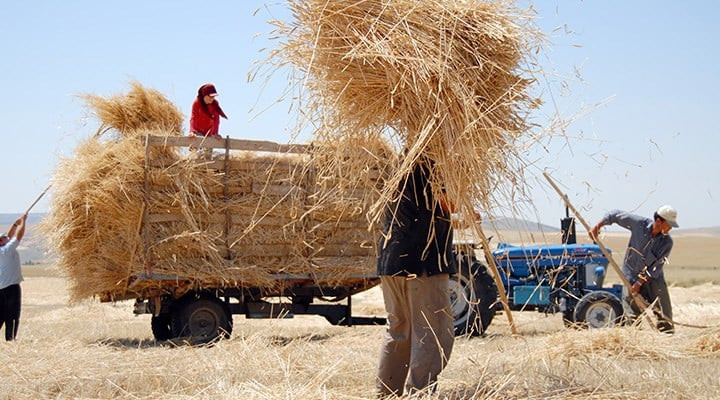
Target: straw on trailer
[122,212]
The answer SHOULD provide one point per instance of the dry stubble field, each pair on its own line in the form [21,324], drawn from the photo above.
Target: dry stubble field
[100,351]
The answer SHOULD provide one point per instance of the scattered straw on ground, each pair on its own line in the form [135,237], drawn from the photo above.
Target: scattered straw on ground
[110,353]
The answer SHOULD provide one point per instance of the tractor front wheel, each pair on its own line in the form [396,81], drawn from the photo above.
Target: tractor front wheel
[598,310]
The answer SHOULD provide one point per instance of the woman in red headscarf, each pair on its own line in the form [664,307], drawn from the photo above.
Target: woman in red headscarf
[206,112]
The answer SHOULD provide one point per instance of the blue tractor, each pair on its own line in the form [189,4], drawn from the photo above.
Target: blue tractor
[565,278]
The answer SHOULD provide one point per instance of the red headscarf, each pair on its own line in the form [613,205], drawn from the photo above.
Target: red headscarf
[206,90]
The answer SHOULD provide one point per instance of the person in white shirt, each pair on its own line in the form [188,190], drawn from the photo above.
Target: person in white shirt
[10,278]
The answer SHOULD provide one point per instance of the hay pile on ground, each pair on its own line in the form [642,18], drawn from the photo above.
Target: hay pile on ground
[444,79]
[117,214]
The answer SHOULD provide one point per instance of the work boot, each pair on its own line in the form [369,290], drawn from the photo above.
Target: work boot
[666,327]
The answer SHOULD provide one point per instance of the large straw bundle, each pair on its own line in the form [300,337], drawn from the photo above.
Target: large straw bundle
[96,204]
[137,111]
[447,79]
[117,214]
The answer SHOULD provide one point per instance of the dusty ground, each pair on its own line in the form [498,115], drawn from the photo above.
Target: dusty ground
[95,350]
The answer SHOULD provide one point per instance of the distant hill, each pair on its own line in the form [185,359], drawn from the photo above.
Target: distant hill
[515,224]
[7,219]
[710,231]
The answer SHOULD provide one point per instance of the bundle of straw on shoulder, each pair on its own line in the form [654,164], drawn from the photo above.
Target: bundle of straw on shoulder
[447,80]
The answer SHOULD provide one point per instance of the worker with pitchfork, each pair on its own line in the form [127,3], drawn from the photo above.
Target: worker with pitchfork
[10,278]
[650,245]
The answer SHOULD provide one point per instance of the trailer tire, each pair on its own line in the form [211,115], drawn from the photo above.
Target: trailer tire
[598,309]
[161,326]
[202,320]
[473,296]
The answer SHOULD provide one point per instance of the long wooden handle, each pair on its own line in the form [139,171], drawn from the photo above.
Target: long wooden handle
[496,277]
[38,199]
[639,301]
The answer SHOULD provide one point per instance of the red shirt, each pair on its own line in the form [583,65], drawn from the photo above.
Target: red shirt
[202,123]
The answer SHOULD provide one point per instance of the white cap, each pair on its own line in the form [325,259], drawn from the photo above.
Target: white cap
[669,214]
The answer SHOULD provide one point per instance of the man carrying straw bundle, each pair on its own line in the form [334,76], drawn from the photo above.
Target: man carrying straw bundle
[449,81]
[648,249]
[414,265]
[10,278]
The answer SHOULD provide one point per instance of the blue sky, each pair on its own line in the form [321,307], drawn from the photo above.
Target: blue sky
[637,79]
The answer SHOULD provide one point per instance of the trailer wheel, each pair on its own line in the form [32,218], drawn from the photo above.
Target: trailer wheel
[598,310]
[161,326]
[202,319]
[473,295]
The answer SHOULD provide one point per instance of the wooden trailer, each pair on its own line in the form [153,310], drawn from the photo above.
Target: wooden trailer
[301,272]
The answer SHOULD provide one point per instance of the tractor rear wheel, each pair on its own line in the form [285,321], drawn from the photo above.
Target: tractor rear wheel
[202,319]
[473,296]
[598,310]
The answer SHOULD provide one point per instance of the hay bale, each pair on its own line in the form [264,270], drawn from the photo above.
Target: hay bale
[444,79]
[116,215]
